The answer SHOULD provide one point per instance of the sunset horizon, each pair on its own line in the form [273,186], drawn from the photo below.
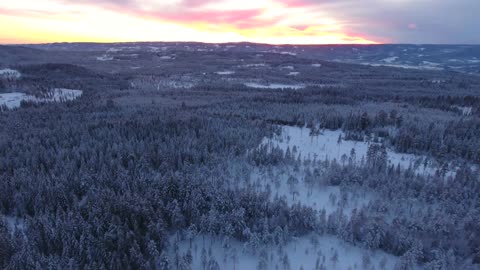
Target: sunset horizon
[299,22]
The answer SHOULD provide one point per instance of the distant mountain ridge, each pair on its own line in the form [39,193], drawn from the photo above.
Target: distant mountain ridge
[459,58]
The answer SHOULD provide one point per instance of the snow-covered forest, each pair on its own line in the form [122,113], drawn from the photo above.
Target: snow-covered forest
[210,158]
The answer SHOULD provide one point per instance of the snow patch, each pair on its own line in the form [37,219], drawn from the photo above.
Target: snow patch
[466,111]
[298,253]
[8,73]
[227,72]
[327,146]
[275,86]
[105,58]
[294,188]
[255,65]
[288,53]
[13,100]
[390,59]
[113,50]
[419,67]
[14,224]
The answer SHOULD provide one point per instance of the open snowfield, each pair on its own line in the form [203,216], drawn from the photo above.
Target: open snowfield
[10,73]
[13,100]
[227,72]
[292,186]
[327,146]
[306,252]
[423,66]
[275,86]
[254,65]
[390,59]
[105,58]
[14,223]
[466,111]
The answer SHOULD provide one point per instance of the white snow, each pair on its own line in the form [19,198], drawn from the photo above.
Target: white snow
[255,65]
[288,53]
[61,94]
[13,100]
[154,49]
[275,86]
[8,73]
[133,55]
[303,252]
[177,84]
[293,73]
[324,85]
[288,67]
[325,146]
[227,72]
[14,223]
[165,57]
[474,61]
[466,111]
[112,50]
[105,58]
[424,66]
[314,195]
[316,65]
[427,63]
[390,59]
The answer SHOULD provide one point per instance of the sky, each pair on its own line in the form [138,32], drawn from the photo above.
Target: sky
[262,21]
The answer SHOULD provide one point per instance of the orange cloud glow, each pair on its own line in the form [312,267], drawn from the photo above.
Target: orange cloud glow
[264,21]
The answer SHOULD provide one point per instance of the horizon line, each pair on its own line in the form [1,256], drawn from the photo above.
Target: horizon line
[241,42]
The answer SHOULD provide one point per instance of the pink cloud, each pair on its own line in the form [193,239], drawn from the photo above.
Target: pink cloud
[239,18]
[204,14]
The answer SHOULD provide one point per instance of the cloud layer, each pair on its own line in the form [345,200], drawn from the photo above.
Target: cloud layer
[273,21]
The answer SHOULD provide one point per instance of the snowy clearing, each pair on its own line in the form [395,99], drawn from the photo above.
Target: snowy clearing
[177,84]
[293,187]
[254,65]
[14,223]
[105,58]
[13,100]
[390,59]
[419,67]
[327,146]
[8,73]
[466,111]
[275,86]
[227,72]
[288,53]
[307,252]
